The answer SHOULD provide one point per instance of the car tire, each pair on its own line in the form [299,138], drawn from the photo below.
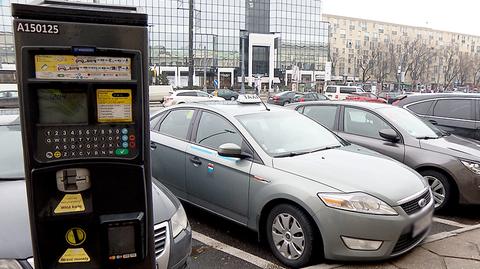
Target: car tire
[441,189]
[303,235]
[233,98]
[286,103]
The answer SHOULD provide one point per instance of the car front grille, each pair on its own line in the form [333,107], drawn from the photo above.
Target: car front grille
[160,238]
[412,207]
[406,241]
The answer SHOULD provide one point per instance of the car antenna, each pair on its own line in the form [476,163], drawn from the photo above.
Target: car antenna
[266,107]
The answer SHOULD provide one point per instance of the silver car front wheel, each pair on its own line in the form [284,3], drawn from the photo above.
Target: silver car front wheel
[288,237]
[291,235]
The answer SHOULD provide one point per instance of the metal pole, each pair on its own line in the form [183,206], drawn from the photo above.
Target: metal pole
[205,68]
[190,44]
[242,89]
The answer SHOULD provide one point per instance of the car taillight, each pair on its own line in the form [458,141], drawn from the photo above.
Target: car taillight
[336,96]
[276,98]
[301,100]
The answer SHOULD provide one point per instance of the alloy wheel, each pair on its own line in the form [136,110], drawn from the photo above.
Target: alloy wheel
[288,236]
[438,190]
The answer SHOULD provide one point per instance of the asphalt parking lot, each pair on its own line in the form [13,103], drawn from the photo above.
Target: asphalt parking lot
[219,243]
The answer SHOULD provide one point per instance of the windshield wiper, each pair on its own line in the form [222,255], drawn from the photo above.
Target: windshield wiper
[427,137]
[295,153]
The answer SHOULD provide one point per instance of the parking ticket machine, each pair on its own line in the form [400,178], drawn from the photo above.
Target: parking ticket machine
[82,72]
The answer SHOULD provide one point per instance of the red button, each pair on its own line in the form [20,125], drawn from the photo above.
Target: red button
[132,144]
[131,138]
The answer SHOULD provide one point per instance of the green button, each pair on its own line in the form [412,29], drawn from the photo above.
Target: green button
[121,152]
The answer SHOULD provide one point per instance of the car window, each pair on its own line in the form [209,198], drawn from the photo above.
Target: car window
[187,94]
[456,108]
[421,108]
[154,123]
[364,123]
[321,97]
[331,89]
[202,94]
[347,90]
[325,115]
[176,123]
[214,131]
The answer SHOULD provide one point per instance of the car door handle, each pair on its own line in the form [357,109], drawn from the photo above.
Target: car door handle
[434,122]
[153,146]
[196,161]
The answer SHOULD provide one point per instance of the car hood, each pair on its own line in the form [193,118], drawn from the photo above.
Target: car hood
[15,227]
[356,169]
[455,146]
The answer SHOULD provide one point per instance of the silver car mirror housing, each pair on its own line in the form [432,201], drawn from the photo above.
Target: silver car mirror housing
[389,134]
[230,150]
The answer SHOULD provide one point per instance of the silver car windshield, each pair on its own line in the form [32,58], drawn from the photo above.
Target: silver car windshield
[414,126]
[283,134]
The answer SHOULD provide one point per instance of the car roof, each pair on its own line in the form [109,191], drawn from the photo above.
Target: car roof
[366,105]
[232,108]
[426,96]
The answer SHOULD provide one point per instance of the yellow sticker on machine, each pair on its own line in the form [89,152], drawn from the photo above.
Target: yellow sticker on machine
[82,67]
[74,255]
[70,203]
[114,105]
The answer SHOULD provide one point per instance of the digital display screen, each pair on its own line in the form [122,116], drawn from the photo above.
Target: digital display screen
[62,107]
[121,240]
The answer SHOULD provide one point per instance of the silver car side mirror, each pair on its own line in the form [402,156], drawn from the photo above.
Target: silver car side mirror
[230,150]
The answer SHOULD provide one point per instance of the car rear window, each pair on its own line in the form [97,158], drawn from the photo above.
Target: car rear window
[325,115]
[187,94]
[331,89]
[176,123]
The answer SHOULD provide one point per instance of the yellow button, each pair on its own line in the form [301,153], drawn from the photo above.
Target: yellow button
[57,154]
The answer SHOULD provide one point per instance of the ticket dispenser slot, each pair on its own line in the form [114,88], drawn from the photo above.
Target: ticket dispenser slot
[85,127]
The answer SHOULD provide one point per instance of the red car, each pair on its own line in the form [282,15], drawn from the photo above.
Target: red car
[365,97]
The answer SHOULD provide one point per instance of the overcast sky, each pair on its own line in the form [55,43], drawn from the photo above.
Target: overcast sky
[461,16]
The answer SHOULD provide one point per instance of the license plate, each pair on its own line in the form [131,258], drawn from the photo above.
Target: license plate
[422,224]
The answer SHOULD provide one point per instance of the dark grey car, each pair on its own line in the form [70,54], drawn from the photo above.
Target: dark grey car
[173,234]
[455,113]
[451,164]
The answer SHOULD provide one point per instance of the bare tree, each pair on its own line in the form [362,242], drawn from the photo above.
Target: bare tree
[465,64]
[366,63]
[419,55]
[476,69]
[451,67]
[382,67]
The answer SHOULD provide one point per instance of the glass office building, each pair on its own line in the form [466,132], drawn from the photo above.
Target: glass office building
[278,35]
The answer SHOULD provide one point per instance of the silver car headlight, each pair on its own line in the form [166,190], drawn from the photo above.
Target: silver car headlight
[357,202]
[9,264]
[472,166]
[179,221]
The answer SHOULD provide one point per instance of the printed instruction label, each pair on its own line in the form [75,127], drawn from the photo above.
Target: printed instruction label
[82,67]
[70,203]
[74,255]
[114,105]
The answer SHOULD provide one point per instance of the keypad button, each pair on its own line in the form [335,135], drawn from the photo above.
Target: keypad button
[124,131]
[125,138]
[125,144]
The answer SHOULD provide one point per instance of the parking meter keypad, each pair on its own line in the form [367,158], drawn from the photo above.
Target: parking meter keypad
[86,142]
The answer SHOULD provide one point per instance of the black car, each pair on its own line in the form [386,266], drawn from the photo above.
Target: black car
[171,250]
[454,113]
[310,96]
[282,98]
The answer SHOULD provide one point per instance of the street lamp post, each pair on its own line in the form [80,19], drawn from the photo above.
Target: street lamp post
[242,37]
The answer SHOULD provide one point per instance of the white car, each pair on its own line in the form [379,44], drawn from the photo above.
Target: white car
[338,92]
[157,93]
[189,96]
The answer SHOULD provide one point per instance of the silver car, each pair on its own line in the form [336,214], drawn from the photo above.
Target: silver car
[307,197]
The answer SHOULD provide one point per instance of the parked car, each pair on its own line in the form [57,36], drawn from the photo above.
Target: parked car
[452,112]
[449,163]
[227,94]
[306,197]
[8,98]
[365,97]
[310,96]
[336,92]
[188,96]
[282,98]
[157,93]
[172,251]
